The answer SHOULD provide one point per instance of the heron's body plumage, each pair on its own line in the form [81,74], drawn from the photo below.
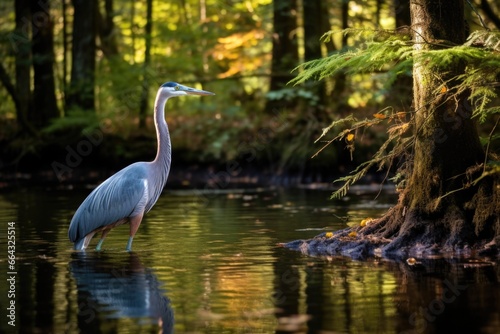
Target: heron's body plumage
[130,193]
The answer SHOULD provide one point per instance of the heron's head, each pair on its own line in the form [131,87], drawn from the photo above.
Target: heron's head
[170,89]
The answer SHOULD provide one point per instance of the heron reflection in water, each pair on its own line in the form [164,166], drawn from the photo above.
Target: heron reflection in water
[114,288]
[129,194]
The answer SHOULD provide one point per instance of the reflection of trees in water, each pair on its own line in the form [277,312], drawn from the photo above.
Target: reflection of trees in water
[339,294]
[116,288]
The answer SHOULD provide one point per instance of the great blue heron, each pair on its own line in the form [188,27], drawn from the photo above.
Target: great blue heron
[130,193]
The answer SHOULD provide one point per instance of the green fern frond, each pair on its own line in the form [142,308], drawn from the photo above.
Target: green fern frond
[378,54]
[341,122]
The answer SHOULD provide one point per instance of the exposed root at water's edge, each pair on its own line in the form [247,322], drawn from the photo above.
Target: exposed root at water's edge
[464,227]
[413,238]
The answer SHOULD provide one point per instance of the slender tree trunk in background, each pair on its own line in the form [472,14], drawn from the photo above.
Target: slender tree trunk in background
[340,78]
[402,89]
[285,48]
[42,48]
[65,51]
[143,108]
[447,148]
[81,89]
[132,29]
[402,13]
[23,61]
[314,15]
[107,31]
[313,28]
[378,13]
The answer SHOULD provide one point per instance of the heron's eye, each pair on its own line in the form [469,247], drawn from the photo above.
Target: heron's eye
[177,87]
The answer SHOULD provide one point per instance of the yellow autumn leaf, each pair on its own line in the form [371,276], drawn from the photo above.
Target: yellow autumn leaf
[379,116]
[350,137]
[365,221]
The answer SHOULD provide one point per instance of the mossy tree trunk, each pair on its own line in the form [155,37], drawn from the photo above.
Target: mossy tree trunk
[448,204]
[439,207]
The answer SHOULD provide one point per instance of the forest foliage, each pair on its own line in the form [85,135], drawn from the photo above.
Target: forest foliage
[233,48]
[394,54]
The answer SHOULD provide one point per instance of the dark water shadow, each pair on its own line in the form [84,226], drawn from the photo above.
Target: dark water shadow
[380,295]
[116,287]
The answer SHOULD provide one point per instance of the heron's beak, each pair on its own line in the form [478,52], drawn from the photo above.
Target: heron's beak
[193,91]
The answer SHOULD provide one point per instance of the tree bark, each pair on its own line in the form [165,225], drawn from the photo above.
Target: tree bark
[445,206]
[148,30]
[402,13]
[107,30]
[436,209]
[81,89]
[285,50]
[340,78]
[42,48]
[447,142]
[22,47]
[314,15]
[285,47]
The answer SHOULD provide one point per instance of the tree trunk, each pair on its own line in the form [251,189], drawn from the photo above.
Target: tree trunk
[340,78]
[443,124]
[81,89]
[107,31]
[143,108]
[64,81]
[22,47]
[42,48]
[285,48]
[439,208]
[315,12]
[444,207]
[402,90]
[402,13]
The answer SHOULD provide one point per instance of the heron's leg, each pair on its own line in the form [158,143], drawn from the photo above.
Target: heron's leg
[87,239]
[135,222]
[103,236]
[99,244]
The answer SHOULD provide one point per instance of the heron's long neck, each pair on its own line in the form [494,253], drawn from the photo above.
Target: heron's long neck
[164,153]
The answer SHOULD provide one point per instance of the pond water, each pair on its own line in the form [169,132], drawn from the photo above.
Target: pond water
[209,263]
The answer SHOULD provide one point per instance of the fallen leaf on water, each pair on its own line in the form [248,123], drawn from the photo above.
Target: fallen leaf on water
[365,221]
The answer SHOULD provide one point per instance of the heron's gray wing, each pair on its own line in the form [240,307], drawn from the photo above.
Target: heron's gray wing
[122,195]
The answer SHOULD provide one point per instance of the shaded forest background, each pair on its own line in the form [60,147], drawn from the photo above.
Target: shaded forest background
[78,80]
